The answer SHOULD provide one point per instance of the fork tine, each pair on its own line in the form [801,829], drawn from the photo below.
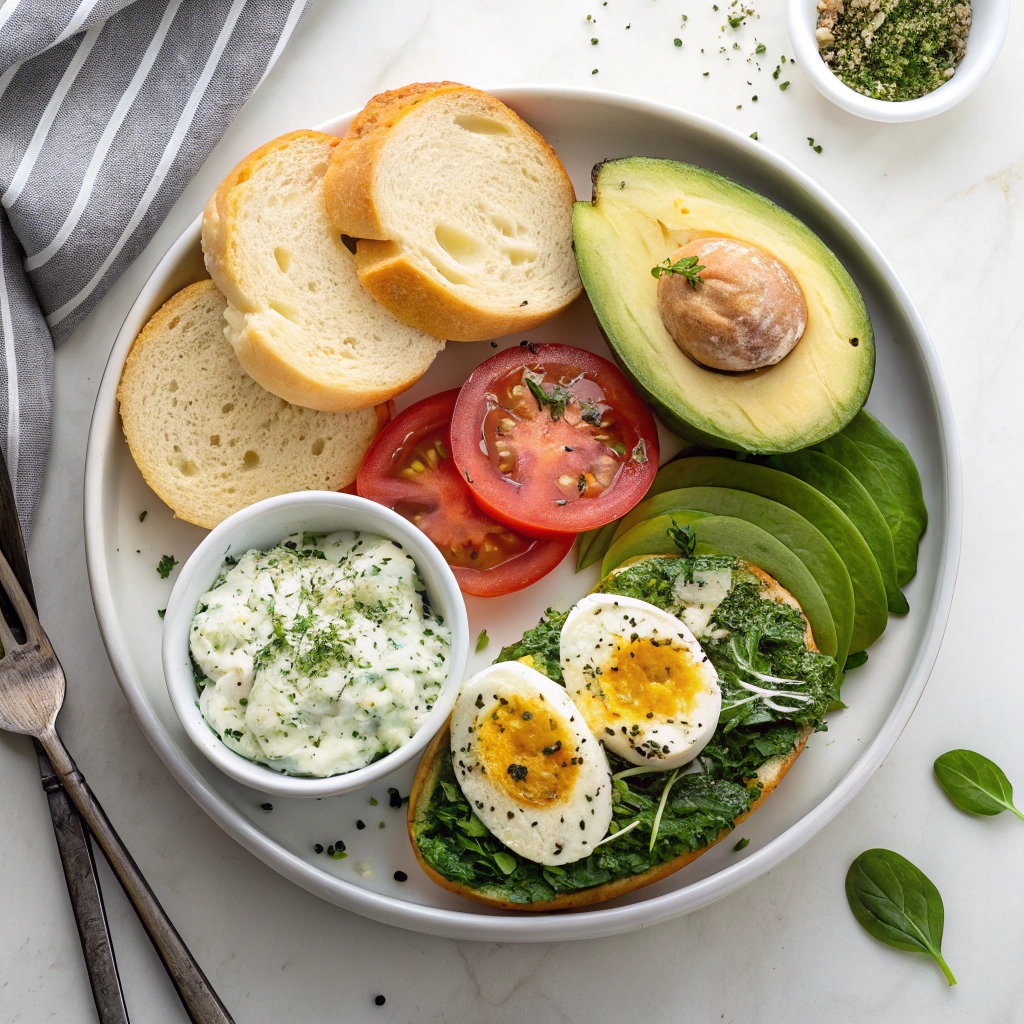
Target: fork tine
[12,588]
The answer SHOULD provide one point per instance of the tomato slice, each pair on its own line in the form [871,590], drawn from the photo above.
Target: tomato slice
[409,468]
[553,438]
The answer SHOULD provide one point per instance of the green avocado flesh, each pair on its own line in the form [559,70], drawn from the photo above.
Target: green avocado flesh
[870,608]
[642,210]
[725,535]
[835,480]
[805,541]
[701,806]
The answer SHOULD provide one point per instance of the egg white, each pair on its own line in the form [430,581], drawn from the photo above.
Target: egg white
[664,724]
[562,830]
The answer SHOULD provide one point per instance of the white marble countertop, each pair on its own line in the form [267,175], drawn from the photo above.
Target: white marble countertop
[945,200]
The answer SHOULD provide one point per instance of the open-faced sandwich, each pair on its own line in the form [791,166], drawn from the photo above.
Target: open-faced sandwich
[618,741]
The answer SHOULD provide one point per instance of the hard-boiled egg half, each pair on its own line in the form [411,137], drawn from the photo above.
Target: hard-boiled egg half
[528,764]
[640,679]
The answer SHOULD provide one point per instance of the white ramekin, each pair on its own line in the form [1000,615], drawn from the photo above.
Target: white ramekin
[261,526]
[988,30]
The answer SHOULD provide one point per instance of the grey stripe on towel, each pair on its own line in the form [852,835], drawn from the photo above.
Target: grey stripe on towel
[107,110]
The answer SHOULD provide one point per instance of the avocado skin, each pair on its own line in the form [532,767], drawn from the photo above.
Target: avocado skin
[671,399]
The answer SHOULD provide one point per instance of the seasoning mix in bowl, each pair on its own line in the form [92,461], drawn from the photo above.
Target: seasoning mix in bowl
[893,49]
[897,60]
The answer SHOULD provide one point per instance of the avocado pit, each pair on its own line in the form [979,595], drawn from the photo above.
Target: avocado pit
[746,312]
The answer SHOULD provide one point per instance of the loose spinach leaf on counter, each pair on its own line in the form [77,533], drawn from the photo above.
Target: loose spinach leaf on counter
[974,783]
[897,903]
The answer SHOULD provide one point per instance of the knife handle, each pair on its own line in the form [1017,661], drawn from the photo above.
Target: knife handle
[201,1002]
[86,898]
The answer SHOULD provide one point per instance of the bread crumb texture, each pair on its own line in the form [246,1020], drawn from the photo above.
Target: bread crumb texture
[209,439]
[474,205]
[297,317]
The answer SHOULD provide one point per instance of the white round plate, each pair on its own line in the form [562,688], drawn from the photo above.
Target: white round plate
[908,395]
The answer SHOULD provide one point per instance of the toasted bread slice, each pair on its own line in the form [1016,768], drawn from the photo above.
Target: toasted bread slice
[297,317]
[769,775]
[206,437]
[463,212]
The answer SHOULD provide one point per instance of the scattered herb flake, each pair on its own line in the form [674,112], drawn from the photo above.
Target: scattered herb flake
[482,641]
[165,565]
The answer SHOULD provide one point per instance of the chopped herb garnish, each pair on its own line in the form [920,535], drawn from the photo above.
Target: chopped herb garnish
[142,516]
[554,400]
[687,267]
[742,844]
[482,641]
[165,565]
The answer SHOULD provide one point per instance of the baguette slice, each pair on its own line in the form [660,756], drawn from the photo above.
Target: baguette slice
[769,775]
[206,437]
[297,317]
[463,212]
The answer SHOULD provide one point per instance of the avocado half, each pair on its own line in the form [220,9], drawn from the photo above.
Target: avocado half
[642,210]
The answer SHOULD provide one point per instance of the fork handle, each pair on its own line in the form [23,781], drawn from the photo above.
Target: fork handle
[200,1000]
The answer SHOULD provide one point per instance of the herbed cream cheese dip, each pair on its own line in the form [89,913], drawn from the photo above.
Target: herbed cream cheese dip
[319,655]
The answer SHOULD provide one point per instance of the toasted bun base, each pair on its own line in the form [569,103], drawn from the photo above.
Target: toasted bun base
[463,212]
[770,774]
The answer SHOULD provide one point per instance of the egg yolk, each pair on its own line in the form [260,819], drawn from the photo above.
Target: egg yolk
[646,678]
[528,752]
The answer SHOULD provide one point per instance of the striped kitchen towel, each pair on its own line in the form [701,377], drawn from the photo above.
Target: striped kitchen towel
[107,110]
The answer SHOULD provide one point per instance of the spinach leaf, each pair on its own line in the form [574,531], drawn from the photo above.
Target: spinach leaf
[541,645]
[594,544]
[896,466]
[897,903]
[855,660]
[974,783]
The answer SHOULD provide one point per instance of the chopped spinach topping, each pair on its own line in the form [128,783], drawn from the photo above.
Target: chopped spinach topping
[654,821]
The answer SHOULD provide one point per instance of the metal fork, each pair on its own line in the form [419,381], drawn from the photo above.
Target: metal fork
[31,694]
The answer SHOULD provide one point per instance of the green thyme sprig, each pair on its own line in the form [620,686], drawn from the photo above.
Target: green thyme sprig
[687,267]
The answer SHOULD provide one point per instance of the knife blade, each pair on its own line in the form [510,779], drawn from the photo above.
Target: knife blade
[76,854]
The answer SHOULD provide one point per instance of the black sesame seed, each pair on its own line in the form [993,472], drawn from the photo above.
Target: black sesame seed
[317,848]
[379,1000]
[401,876]
[267,807]
[360,824]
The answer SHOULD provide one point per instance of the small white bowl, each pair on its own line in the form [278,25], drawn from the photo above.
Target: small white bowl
[261,526]
[990,19]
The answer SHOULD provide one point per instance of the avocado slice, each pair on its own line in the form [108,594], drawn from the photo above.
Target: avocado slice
[806,541]
[839,484]
[902,500]
[623,547]
[725,535]
[642,210]
[870,607]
